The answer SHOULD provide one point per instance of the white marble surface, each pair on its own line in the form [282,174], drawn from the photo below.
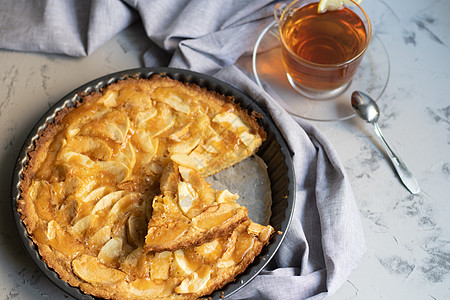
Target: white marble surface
[407,237]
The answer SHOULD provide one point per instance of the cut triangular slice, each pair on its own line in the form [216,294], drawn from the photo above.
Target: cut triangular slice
[197,271]
[188,212]
[222,259]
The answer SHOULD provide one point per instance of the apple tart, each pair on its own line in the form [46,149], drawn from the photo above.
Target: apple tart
[188,212]
[114,193]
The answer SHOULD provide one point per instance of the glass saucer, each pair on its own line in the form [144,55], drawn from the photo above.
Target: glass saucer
[372,78]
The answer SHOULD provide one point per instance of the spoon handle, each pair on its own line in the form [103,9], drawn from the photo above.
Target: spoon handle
[402,170]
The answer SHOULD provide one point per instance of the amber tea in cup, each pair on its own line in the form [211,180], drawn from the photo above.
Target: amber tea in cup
[322,51]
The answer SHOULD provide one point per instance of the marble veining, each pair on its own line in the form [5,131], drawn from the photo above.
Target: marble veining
[423,26]
[441,115]
[45,77]
[436,264]
[409,37]
[8,80]
[397,265]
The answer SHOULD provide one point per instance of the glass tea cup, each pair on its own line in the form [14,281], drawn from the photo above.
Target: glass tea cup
[321,52]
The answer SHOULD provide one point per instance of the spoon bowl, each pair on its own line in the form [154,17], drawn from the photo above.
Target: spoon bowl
[365,107]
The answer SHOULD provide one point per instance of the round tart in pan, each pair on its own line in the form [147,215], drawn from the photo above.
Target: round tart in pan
[110,188]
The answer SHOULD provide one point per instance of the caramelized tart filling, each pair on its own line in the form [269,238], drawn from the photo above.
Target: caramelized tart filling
[189,212]
[115,198]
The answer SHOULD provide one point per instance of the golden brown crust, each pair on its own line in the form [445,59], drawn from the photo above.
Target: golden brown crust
[92,174]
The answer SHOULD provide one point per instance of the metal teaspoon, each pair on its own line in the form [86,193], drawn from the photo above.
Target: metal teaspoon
[367,109]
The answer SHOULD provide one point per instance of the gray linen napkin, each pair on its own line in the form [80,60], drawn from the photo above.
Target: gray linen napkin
[325,241]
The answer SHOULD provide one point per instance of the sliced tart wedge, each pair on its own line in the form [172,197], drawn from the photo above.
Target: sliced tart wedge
[189,212]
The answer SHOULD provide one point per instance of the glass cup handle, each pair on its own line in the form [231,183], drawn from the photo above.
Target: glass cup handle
[278,11]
